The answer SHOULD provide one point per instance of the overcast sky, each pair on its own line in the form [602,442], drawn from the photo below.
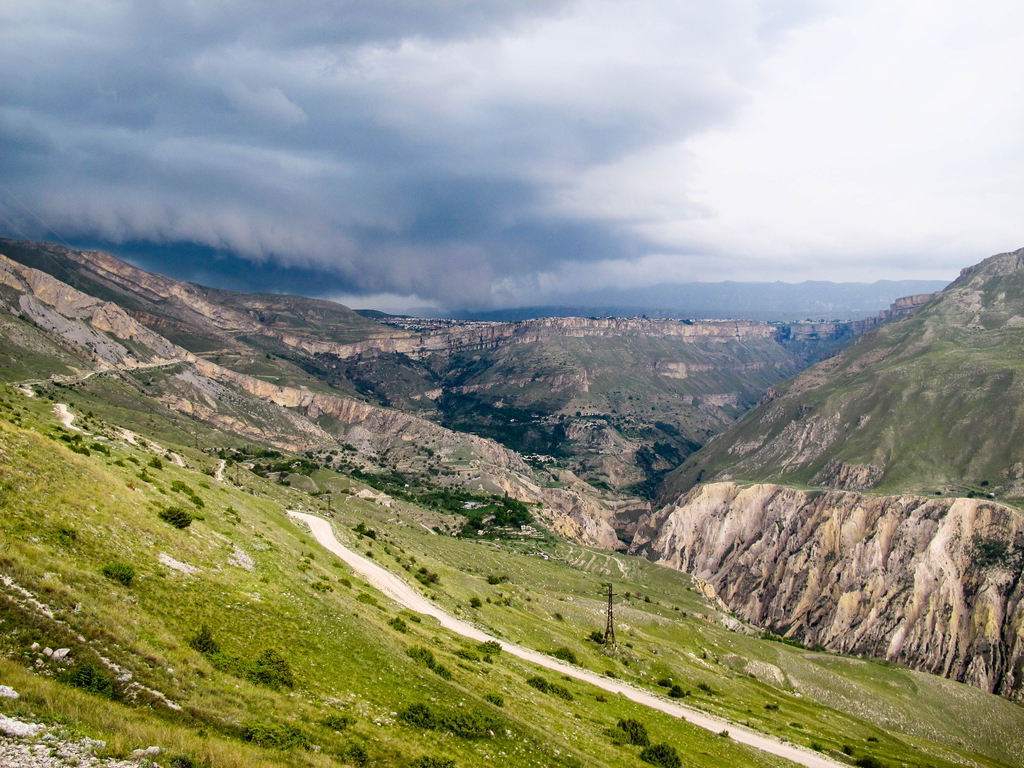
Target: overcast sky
[485,154]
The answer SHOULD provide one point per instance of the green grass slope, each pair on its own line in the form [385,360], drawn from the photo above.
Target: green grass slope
[312,666]
[929,404]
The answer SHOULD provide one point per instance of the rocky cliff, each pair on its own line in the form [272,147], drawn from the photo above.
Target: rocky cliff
[931,583]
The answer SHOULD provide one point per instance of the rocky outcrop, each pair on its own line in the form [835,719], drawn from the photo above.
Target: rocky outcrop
[931,583]
[849,477]
[71,308]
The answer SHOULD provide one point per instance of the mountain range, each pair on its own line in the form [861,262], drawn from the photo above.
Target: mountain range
[817,494]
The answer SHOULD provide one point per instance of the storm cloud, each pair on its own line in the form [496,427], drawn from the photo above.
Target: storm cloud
[475,154]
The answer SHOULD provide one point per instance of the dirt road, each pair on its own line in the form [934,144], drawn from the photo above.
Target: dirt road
[65,416]
[395,588]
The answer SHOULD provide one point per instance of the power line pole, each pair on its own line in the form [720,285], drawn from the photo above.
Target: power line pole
[609,630]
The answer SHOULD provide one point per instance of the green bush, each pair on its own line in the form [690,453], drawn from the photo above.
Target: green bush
[155,463]
[176,516]
[337,722]
[89,677]
[868,762]
[272,670]
[463,722]
[491,646]
[204,642]
[663,755]
[560,691]
[665,682]
[420,715]
[676,692]
[442,671]
[565,654]
[597,637]
[399,624]
[363,597]
[427,761]
[474,602]
[495,699]
[356,753]
[539,683]
[466,723]
[422,655]
[706,688]
[275,735]
[636,732]
[122,573]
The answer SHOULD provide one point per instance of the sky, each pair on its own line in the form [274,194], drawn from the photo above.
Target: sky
[464,154]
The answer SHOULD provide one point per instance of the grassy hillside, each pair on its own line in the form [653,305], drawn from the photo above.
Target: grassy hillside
[338,675]
[930,404]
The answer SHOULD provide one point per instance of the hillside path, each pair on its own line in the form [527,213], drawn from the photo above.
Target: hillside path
[65,416]
[405,595]
[219,474]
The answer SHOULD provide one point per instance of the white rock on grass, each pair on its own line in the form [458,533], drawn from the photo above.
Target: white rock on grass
[6,692]
[11,727]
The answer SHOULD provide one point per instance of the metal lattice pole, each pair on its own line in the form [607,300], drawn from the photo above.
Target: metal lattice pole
[609,630]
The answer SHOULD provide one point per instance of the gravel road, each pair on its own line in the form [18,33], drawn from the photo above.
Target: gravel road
[405,595]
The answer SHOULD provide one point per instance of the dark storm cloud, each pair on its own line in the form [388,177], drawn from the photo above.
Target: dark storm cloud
[416,148]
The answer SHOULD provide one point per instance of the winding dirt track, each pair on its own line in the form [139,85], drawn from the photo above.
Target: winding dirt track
[402,593]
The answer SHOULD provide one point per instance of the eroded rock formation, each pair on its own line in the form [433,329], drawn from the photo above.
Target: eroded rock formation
[928,582]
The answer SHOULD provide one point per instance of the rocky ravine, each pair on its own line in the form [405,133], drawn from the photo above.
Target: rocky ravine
[931,583]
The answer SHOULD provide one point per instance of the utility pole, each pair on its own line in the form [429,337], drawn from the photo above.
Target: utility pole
[609,630]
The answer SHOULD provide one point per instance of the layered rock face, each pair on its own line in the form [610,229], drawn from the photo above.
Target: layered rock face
[931,583]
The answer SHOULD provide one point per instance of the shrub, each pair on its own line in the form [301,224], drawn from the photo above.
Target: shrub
[676,692]
[706,688]
[427,578]
[495,699]
[474,602]
[539,683]
[122,573]
[636,732]
[322,586]
[560,691]
[467,723]
[204,642]
[423,655]
[356,753]
[183,761]
[363,597]
[462,653]
[337,722]
[565,654]
[442,671]
[427,761]
[89,677]
[597,637]
[155,463]
[275,735]
[176,516]
[663,755]
[868,762]
[420,715]
[399,624]
[491,646]
[665,682]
